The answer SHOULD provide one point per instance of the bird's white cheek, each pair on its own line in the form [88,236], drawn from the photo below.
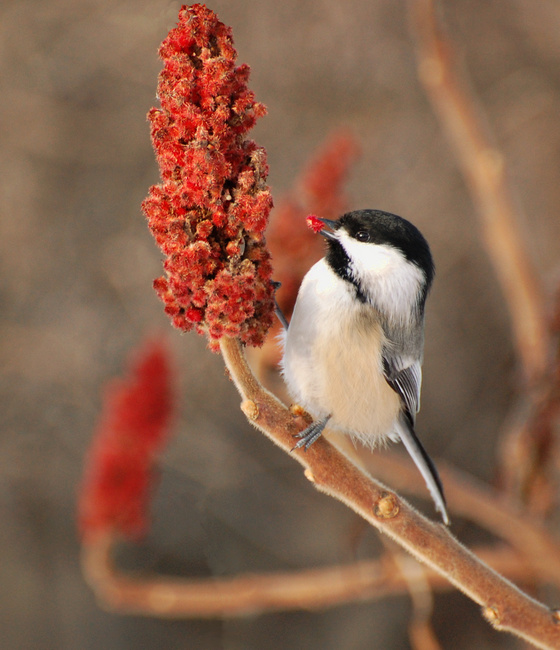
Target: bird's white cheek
[388,279]
[370,259]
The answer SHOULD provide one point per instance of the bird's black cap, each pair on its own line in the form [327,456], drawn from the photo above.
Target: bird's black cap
[378,227]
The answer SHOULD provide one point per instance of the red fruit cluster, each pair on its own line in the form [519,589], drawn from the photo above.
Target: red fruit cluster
[132,430]
[209,213]
[315,223]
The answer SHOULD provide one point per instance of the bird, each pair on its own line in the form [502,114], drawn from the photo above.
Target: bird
[353,349]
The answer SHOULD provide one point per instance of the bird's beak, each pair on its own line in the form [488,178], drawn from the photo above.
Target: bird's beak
[328,234]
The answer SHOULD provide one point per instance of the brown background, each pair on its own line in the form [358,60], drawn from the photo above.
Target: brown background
[77,261]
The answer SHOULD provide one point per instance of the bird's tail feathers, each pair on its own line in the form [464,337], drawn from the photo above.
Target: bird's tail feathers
[427,468]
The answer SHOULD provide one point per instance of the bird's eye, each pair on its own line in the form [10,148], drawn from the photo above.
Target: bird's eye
[362,235]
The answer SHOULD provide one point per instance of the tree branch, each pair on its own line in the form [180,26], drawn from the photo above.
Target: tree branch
[503,604]
[169,597]
[480,504]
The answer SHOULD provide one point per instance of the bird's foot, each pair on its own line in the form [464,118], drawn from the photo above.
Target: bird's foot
[308,436]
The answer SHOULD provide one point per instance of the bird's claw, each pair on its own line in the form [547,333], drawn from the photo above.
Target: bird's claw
[309,435]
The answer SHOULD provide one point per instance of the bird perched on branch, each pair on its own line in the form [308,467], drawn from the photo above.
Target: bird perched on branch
[354,346]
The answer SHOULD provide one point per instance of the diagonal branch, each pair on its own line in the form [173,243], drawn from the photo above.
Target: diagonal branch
[484,170]
[526,450]
[503,604]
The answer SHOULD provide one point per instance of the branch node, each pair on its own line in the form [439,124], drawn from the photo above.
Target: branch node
[309,475]
[250,409]
[387,506]
[299,412]
[492,615]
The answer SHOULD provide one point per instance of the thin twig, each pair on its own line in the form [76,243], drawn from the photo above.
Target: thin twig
[171,597]
[503,605]
[529,444]
[526,450]
[484,169]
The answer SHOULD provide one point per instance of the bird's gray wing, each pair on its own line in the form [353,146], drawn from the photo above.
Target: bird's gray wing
[405,378]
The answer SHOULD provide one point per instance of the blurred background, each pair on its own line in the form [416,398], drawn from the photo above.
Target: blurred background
[77,263]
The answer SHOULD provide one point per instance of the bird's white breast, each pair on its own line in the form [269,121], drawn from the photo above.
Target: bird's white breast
[332,358]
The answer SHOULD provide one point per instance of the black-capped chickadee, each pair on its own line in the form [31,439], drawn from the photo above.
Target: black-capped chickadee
[353,349]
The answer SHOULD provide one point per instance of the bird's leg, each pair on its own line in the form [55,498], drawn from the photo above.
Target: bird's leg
[309,435]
